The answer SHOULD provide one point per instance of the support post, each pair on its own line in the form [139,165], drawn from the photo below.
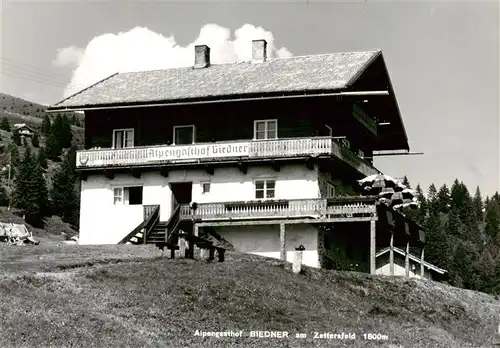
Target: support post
[282,242]
[391,254]
[196,230]
[422,273]
[407,260]
[373,246]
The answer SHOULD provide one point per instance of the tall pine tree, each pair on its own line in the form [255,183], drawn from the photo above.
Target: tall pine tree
[46,123]
[63,195]
[30,190]
[4,125]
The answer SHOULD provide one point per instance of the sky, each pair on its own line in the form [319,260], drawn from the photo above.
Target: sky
[442,57]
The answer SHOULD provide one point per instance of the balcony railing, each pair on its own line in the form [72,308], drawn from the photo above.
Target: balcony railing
[172,154]
[305,208]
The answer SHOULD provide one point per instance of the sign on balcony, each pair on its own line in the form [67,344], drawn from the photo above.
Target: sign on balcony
[179,153]
[190,152]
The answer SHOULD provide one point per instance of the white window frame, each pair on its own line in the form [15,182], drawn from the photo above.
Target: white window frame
[192,126]
[265,180]
[203,187]
[124,130]
[124,194]
[266,122]
[331,190]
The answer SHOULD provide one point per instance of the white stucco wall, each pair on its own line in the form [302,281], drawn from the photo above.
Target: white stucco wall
[102,222]
[384,267]
[264,240]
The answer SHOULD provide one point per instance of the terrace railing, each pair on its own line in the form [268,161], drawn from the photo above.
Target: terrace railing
[219,151]
[312,208]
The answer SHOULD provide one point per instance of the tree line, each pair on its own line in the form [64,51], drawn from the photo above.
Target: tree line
[29,189]
[462,234]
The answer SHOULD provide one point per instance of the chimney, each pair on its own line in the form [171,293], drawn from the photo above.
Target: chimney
[201,56]
[259,51]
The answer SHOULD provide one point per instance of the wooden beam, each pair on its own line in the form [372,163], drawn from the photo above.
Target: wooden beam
[210,170]
[282,242]
[243,167]
[109,174]
[310,163]
[407,260]
[279,221]
[422,273]
[164,172]
[391,254]
[373,264]
[136,174]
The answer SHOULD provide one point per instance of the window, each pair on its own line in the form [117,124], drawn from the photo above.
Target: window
[264,189]
[330,191]
[265,129]
[205,187]
[123,138]
[127,195]
[183,135]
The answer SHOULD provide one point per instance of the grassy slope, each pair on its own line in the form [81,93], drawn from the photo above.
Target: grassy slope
[128,296]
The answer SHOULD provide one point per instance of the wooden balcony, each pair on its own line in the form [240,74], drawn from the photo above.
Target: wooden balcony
[279,209]
[221,151]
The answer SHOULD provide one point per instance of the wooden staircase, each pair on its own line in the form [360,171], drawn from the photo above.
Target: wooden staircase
[152,231]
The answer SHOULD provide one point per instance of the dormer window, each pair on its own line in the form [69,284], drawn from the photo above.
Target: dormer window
[265,129]
[123,138]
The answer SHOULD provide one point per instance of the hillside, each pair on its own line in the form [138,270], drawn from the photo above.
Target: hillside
[128,296]
[23,107]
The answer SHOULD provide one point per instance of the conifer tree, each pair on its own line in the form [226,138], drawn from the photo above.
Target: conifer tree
[42,159]
[35,141]
[443,199]
[14,156]
[46,123]
[16,138]
[477,203]
[4,125]
[492,221]
[64,197]
[406,182]
[30,190]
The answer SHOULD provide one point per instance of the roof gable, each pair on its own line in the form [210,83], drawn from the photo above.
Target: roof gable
[324,72]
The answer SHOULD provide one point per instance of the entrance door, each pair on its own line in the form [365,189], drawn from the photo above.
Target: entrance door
[181,193]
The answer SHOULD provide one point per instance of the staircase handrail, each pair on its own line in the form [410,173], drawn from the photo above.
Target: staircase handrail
[150,223]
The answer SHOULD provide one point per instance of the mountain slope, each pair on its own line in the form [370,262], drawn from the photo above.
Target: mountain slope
[23,107]
[128,296]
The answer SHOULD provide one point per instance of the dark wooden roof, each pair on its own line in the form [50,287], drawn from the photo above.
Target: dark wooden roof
[295,74]
[322,73]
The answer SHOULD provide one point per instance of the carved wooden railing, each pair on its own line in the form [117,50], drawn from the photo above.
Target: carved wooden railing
[277,209]
[231,150]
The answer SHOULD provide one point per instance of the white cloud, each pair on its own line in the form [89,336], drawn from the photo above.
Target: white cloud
[68,55]
[142,49]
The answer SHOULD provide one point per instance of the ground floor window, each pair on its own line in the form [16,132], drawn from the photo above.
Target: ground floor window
[265,188]
[131,195]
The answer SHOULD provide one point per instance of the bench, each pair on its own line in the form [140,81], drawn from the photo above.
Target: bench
[170,246]
[203,244]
